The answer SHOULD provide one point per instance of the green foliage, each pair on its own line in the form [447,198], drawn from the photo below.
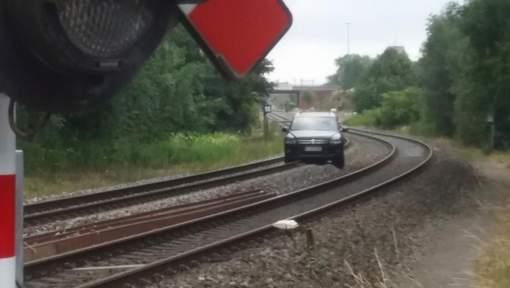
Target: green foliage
[128,162]
[466,71]
[444,53]
[369,118]
[177,91]
[398,108]
[486,24]
[351,69]
[464,75]
[175,149]
[391,71]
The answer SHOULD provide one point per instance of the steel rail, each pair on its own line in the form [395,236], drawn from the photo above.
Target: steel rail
[138,275]
[116,200]
[106,232]
[94,226]
[66,208]
[36,270]
[55,204]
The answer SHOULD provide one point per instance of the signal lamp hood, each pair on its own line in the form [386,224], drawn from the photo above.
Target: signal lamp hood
[69,55]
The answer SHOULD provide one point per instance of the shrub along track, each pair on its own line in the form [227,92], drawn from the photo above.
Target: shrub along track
[137,259]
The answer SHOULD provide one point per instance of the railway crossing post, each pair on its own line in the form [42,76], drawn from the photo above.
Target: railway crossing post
[20,197]
[7,198]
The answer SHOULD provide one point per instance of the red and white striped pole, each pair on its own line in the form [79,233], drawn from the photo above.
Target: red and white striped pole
[7,198]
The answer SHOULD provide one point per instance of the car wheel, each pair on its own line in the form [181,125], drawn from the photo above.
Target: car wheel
[340,161]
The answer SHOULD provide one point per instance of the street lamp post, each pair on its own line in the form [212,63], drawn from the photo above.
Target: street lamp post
[266,109]
[492,134]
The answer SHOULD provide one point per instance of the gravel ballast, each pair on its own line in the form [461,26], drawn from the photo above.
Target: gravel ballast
[364,245]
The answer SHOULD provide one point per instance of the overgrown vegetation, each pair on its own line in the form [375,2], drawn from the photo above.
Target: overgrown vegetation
[127,162]
[178,98]
[177,115]
[397,108]
[463,78]
[492,266]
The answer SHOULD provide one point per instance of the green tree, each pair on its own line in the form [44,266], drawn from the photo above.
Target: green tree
[400,108]
[486,24]
[350,70]
[444,54]
[177,91]
[391,71]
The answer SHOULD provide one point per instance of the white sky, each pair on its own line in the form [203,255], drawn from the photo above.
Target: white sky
[319,34]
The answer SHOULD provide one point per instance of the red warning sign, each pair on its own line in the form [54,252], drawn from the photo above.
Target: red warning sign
[237,34]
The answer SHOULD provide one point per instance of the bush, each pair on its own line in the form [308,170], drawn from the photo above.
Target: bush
[177,149]
[398,108]
[369,118]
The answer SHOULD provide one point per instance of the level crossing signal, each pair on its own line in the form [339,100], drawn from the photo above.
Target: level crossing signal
[70,55]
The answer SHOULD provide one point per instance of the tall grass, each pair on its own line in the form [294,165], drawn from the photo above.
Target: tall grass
[53,171]
[492,267]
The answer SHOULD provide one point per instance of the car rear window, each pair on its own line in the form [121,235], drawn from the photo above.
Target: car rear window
[315,123]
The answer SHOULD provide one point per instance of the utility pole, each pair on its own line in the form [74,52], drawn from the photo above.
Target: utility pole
[348,27]
[491,121]
[266,109]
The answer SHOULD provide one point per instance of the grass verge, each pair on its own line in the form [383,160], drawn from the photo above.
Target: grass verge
[492,268]
[179,155]
[467,152]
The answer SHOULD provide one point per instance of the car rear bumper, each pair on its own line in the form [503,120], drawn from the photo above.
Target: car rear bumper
[328,152]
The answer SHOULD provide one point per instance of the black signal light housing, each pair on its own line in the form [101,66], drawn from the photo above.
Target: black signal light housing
[70,55]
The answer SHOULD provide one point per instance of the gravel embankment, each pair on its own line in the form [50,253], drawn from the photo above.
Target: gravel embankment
[119,186]
[358,246]
[361,153]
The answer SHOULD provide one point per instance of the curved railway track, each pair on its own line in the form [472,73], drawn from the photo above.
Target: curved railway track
[134,260]
[65,240]
[48,205]
[44,212]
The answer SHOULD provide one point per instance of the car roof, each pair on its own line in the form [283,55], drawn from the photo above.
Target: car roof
[315,114]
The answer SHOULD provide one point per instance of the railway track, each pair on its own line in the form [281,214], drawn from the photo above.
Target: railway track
[66,208]
[44,212]
[135,260]
[65,240]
